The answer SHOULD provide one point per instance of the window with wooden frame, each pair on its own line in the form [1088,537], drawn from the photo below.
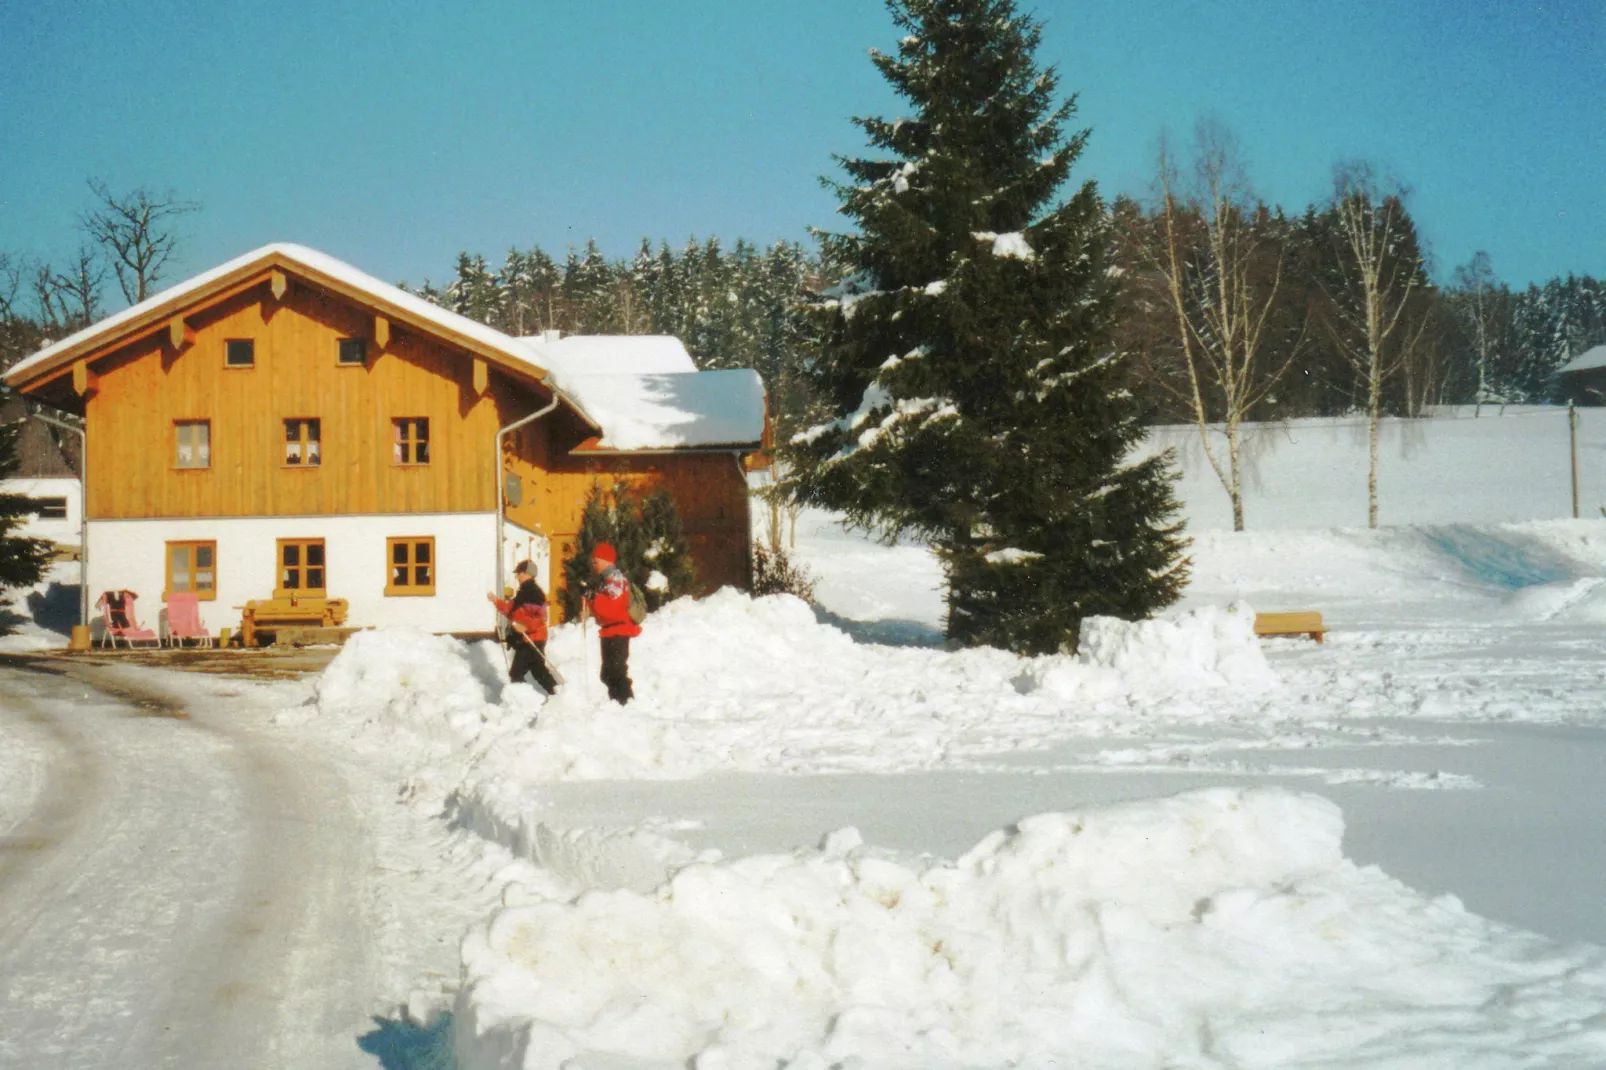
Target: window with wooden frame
[239,353]
[353,352]
[412,565]
[301,568]
[410,440]
[192,444]
[302,445]
[192,569]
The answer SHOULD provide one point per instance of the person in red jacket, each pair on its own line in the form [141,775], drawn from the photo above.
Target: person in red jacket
[609,602]
[526,614]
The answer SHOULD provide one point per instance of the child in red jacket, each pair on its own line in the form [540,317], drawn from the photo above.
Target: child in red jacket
[526,615]
[609,602]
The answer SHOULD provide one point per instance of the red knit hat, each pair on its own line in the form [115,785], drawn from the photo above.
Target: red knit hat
[606,552]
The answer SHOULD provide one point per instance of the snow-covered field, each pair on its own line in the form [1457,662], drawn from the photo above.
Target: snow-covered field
[819,839]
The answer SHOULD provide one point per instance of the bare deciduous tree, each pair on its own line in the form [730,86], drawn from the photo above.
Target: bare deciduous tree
[137,233]
[1380,270]
[1223,274]
[78,288]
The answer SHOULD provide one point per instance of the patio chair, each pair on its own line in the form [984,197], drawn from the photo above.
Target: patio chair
[117,613]
[184,620]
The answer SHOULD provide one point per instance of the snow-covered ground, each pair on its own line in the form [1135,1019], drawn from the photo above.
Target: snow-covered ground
[820,839]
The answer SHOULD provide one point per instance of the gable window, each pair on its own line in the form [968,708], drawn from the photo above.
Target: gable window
[192,444]
[411,444]
[412,565]
[302,444]
[52,508]
[239,353]
[192,569]
[353,351]
[301,567]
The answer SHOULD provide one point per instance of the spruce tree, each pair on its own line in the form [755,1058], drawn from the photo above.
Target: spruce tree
[969,358]
[646,533]
[22,560]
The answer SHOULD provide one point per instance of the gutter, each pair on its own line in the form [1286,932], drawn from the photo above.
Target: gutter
[83,511]
[501,517]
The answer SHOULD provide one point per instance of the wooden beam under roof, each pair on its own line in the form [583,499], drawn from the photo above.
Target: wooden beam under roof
[381,331]
[180,335]
[278,284]
[84,381]
[482,376]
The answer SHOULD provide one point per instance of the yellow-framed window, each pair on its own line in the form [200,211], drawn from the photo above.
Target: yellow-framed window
[412,565]
[192,568]
[410,440]
[303,447]
[302,568]
[192,444]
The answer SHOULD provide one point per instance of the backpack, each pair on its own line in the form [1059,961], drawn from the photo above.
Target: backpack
[638,603]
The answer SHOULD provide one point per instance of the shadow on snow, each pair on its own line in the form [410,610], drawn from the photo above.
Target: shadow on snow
[401,1045]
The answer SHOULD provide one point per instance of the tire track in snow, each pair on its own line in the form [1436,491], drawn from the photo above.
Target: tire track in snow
[181,896]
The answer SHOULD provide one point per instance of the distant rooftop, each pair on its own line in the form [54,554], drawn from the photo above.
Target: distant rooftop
[1588,360]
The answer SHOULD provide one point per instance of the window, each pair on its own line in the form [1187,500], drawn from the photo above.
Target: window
[301,567]
[239,353]
[412,566]
[192,569]
[52,508]
[301,442]
[353,351]
[412,440]
[193,444]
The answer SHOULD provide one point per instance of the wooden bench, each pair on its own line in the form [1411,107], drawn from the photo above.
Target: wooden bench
[1305,623]
[269,614]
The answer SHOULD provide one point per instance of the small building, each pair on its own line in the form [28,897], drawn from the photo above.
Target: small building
[1583,379]
[47,471]
[286,425]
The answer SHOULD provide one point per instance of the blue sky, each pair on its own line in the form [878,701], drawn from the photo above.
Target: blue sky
[393,135]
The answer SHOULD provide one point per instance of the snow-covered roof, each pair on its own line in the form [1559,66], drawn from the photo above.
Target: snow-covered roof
[1588,360]
[611,354]
[314,264]
[675,410]
[647,390]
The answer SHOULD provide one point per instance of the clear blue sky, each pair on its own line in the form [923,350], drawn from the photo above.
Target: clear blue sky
[393,135]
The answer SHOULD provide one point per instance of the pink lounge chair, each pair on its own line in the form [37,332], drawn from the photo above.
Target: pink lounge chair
[117,613]
[184,620]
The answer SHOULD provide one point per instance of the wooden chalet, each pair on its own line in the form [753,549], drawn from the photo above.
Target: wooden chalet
[287,426]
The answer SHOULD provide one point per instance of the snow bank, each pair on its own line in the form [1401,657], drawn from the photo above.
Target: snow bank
[1216,928]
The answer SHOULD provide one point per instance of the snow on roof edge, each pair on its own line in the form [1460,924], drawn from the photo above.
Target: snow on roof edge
[1588,360]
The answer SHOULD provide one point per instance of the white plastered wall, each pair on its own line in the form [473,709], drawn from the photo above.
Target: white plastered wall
[64,531]
[131,555]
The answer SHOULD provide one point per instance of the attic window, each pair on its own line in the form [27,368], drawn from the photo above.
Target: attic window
[353,352]
[239,353]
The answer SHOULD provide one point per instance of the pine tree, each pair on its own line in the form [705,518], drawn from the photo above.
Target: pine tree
[980,399]
[22,560]
[647,535]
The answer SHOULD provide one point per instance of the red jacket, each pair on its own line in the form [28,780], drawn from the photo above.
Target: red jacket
[611,606]
[529,617]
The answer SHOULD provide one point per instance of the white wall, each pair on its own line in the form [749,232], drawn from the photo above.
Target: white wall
[130,555]
[62,531]
[1453,468]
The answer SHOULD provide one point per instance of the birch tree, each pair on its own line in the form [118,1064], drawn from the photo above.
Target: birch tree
[1222,273]
[137,233]
[1379,270]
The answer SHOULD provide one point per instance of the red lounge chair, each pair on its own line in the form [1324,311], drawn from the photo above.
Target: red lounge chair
[184,620]
[117,613]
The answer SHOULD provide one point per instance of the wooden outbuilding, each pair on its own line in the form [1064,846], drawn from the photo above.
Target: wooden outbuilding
[285,424]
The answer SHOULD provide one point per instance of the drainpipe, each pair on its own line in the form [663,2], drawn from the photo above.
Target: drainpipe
[747,522]
[500,512]
[83,512]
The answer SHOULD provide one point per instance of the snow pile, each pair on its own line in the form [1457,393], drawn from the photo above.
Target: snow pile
[1221,927]
[1208,647]
[1581,600]
[732,682]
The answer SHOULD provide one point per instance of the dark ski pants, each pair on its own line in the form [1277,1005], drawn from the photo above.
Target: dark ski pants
[616,668]
[526,662]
